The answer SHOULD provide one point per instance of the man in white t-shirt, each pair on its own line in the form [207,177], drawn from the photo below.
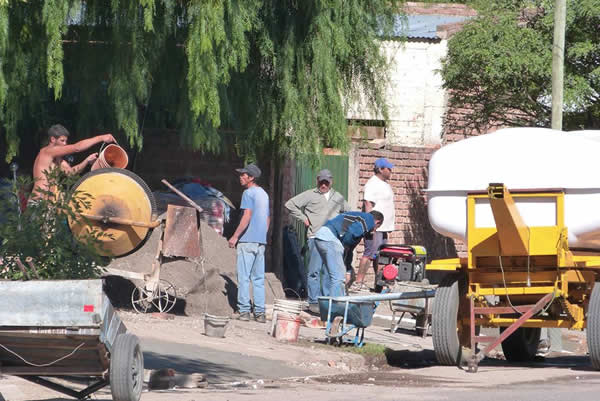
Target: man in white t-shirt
[379,196]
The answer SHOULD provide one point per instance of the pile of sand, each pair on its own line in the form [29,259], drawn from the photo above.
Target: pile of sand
[207,285]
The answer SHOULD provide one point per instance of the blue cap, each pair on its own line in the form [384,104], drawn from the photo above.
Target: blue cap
[383,163]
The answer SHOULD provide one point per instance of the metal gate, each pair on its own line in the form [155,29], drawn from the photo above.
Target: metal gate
[306,178]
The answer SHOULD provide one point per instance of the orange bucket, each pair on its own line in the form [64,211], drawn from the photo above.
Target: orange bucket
[112,156]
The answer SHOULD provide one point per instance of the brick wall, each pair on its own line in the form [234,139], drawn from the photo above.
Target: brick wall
[409,179]
[416,8]
[163,157]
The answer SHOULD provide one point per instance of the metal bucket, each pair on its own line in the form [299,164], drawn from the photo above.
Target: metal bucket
[215,326]
[111,156]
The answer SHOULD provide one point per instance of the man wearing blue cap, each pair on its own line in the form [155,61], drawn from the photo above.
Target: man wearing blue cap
[251,238]
[379,196]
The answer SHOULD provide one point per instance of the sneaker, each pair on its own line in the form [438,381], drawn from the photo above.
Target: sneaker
[358,287]
[314,309]
[244,316]
[543,348]
[260,318]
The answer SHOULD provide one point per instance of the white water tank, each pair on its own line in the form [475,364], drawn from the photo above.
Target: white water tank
[521,158]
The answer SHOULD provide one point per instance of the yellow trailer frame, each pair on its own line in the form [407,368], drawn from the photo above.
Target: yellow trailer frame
[516,277]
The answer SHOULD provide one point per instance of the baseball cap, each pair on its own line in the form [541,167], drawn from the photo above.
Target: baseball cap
[250,169]
[382,162]
[324,175]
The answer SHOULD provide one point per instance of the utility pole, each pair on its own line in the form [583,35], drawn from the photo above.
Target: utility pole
[558,55]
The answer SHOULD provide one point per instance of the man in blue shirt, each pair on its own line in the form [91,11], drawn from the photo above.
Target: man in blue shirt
[251,238]
[343,232]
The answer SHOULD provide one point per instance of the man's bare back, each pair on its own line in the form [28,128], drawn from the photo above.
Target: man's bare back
[52,156]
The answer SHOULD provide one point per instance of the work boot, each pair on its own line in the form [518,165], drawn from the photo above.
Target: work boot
[244,316]
[260,318]
[314,309]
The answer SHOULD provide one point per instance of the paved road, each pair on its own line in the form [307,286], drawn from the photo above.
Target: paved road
[218,366]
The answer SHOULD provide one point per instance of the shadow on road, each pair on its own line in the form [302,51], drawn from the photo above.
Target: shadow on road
[215,373]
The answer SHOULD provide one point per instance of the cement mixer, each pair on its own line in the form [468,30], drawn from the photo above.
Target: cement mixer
[525,202]
[123,209]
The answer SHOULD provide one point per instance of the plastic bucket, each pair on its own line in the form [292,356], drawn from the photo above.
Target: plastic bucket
[287,307]
[215,326]
[287,327]
[111,156]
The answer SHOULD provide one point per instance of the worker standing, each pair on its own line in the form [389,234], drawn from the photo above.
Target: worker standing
[379,196]
[251,238]
[314,208]
[340,233]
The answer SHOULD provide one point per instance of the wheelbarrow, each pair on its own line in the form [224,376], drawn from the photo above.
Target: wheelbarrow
[68,330]
[344,314]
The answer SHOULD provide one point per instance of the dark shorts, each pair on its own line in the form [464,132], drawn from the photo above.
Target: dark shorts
[373,242]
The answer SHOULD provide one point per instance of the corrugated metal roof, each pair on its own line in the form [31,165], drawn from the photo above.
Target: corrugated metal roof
[423,26]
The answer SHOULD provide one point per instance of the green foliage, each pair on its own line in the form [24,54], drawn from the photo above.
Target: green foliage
[276,75]
[42,232]
[500,64]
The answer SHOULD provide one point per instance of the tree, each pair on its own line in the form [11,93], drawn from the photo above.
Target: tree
[275,75]
[500,65]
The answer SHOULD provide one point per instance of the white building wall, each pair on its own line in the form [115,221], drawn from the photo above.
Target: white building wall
[415,97]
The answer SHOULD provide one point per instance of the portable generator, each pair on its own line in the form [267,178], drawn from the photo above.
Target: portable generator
[400,263]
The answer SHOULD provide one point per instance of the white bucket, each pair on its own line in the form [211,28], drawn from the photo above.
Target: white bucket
[286,307]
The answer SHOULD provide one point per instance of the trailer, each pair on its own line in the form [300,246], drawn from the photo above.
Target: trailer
[516,277]
[60,333]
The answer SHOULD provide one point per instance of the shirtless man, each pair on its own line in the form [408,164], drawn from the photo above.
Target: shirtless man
[52,155]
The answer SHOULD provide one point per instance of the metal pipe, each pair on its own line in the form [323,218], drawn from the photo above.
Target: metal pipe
[385,297]
[178,192]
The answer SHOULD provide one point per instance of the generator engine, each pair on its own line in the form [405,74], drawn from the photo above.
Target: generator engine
[400,263]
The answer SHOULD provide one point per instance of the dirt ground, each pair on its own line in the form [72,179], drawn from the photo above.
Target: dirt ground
[204,285]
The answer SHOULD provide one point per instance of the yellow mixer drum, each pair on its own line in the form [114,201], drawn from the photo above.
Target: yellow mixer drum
[116,193]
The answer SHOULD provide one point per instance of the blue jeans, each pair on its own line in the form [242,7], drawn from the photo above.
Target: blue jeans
[251,268]
[317,284]
[332,253]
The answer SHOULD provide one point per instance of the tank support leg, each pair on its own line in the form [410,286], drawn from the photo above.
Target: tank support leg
[528,311]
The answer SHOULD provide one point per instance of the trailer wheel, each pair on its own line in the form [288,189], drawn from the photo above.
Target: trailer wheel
[521,346]
[126,368]
[451,337]
[593,327]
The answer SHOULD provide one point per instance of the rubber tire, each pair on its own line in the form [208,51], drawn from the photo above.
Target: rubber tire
[126,368]
[593,327]
[444,323]
[522,345]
